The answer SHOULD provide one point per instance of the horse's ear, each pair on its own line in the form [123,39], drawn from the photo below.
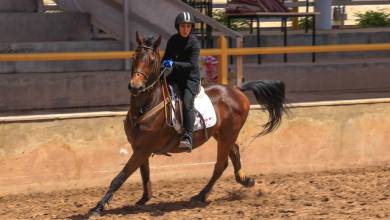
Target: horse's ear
[139,38]
[157,42]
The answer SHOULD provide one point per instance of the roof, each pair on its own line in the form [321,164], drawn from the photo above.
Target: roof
[247,6]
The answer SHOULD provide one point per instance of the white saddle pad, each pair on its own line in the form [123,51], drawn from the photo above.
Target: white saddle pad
[204,106]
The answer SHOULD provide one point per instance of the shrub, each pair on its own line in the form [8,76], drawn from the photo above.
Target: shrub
[302,23]
[236,24]
[373,19]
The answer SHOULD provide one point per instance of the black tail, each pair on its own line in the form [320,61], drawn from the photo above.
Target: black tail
[270,95]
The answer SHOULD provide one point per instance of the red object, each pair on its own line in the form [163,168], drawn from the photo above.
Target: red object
[211,69]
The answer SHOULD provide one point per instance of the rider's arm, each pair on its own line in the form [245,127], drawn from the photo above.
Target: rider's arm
[192,63]
[168,50]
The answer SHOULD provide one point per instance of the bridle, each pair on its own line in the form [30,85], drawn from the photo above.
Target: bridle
[165,101]
[154,69]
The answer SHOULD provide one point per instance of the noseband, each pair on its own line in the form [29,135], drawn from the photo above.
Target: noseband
[155,66]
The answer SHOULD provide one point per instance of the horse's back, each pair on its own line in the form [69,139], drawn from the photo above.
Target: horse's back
[229,98]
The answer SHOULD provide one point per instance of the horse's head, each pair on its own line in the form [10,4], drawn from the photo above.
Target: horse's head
[146,64]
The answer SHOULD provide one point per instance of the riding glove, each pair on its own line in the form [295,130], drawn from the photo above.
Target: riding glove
[168,63]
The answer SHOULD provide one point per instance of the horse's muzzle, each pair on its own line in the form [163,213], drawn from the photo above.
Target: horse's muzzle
[131,88]
[134,89]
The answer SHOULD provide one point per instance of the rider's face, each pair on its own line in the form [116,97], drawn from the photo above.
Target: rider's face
[185,29]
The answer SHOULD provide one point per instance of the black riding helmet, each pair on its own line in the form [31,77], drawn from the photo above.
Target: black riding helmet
[184,17]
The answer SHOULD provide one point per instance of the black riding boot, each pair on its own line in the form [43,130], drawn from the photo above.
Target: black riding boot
[189,119]
[186,141]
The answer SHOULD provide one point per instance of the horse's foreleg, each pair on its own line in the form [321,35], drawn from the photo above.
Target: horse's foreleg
[138,158]
[145,173]
[220,166]
[238,172]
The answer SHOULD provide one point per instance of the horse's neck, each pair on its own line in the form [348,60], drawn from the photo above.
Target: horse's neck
[144,102]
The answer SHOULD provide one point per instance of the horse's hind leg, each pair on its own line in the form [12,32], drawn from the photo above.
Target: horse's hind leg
[145,173]
[220,166]
[241,178]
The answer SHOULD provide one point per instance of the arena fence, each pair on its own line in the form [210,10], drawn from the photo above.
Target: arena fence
[222,52]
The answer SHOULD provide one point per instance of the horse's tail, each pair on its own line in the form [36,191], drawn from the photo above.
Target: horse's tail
[269,94]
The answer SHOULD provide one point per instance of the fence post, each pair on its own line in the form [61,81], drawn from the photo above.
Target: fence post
[126,31]
[295,20]
[223,60]
[41,6]
[239,63]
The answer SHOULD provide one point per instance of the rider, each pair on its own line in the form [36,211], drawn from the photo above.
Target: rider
[181,55]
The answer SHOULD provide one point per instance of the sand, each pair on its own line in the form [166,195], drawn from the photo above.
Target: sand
[362,193]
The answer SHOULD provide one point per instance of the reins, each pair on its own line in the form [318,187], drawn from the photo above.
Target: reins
[158,107]
[166,97]
[151,85]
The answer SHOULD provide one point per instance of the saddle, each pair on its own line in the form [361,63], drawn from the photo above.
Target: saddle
[205,116]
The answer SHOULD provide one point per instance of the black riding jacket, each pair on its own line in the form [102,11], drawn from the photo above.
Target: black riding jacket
[185,54]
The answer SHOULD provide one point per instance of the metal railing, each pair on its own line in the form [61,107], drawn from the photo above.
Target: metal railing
[222,52]
[291,3]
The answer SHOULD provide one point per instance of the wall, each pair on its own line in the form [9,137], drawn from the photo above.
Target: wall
[18,5]
[54,67]
[358,79]
[63,90]
[39,27]
[329,37]
[51,152]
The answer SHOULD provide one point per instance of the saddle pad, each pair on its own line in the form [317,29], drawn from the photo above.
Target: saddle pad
[204,106]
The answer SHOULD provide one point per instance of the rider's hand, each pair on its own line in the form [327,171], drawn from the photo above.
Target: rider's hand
[168,63]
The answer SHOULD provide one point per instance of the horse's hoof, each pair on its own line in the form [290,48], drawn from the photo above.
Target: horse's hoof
[97,211]
[198,199]
[249,182]
[93,213]
[142,201]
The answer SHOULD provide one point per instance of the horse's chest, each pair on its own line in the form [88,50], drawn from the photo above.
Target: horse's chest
[145,135]
[155,140]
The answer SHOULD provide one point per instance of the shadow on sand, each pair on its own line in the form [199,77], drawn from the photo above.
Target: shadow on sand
[158,209]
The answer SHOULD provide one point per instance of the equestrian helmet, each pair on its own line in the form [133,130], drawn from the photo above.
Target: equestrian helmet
[184,17]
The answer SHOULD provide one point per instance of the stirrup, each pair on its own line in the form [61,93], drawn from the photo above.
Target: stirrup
[185,145]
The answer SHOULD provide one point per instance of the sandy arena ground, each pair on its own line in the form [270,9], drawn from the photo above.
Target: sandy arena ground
[339,194]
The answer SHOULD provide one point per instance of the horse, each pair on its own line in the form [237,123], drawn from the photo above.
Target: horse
[148,133]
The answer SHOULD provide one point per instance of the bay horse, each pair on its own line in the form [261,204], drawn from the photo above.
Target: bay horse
[147,132]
